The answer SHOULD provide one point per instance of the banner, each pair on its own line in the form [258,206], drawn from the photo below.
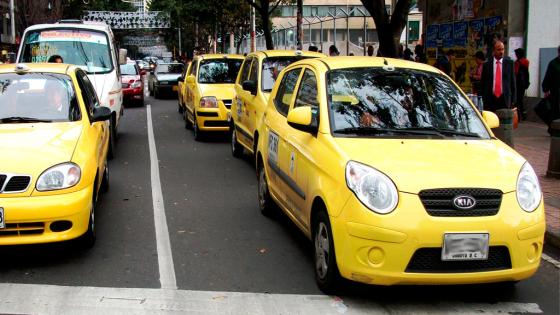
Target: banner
[432,36]
[142,41]
[460,34]
[129,20]
[446,34]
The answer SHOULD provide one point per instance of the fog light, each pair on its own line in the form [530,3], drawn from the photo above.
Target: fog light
[376,256]
[60,226]
[533,252]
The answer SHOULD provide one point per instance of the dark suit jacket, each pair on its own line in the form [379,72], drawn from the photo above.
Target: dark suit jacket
[508,83]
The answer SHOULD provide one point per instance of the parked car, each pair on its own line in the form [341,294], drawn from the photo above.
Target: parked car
[164,78]
[132,84]
[252,90]
[55,136]
[209,90]
[396,177]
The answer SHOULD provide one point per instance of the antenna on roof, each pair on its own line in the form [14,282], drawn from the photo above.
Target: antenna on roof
[385,62]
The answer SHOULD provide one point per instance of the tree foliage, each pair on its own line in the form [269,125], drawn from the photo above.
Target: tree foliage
[265,8]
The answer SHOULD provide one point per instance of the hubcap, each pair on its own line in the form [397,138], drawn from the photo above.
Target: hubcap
[262,188]
[321,250]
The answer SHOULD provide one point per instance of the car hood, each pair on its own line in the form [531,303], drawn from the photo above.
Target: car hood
[219,91]
[414,165]
[31,148]
[168,77]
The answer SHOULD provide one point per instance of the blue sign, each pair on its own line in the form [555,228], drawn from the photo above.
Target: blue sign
[446,34]
[493,21]
[460,33]
[432,36]
[477,25]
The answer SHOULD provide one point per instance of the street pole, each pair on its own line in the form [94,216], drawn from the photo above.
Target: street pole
[180,48]
[299,28]
[12,22]
[253,29]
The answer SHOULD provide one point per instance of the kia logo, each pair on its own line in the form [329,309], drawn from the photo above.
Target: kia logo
[464,202]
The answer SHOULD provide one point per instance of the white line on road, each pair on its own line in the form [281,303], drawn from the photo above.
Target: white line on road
[551,260]
[165,257]
[50,299]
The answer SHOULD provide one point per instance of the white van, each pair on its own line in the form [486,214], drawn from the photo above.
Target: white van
[89,45]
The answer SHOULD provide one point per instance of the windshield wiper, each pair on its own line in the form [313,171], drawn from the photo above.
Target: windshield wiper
[16,119]
[380,131]
[446,132]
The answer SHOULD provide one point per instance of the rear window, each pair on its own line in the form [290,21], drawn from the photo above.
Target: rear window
[170,68]
[42,97]
[128,69]
[218,70]
[271,67]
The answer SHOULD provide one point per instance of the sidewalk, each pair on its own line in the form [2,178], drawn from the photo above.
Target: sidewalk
[533,142]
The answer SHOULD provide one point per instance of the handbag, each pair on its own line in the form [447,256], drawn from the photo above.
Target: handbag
[544,111]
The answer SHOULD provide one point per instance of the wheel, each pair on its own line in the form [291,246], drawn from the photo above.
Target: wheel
[105,181]
[188,124]
[266,204]
[326,270]
[112,140]
[236,148]
[87,240]
[197,131]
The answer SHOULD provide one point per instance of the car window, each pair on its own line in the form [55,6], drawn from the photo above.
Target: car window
[215,71]
[285,92]
[254,76]
[90,94]
[245,70]
[307,93]
[39,96]
[401,100]
[128,69]
[194,70]
[170,68]
[272,67]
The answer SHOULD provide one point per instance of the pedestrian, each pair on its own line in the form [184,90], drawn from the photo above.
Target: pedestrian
[407,55]
[333,51]
[551,86]
[313,48]
[444,62]
[476,73]
[521,69]
[498,80]
[55,59]
[420,54]
[351,54]
[370,50]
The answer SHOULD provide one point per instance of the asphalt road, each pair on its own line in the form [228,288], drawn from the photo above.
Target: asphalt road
[219,241]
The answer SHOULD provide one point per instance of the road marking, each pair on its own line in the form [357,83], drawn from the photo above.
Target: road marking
[51,299]
[165,258]
[551,260]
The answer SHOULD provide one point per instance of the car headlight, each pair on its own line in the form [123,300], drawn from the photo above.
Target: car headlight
[528,190]
[59,177]
[136,84]
[373,188]
[208,102]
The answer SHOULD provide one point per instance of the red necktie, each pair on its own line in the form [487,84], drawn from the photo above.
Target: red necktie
[498,79]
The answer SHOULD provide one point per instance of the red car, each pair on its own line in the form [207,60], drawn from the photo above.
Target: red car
[132,84]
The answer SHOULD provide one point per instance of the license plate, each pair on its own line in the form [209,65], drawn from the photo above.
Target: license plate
[2,222]
[175,88]
[465,246]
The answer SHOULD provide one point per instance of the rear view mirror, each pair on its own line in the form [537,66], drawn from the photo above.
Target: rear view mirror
[250,86]
[301,118]
[101,113]
[122,56]
[491,119]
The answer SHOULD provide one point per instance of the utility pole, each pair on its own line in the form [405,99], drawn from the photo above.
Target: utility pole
[253,29]
[12,22]
[299,22]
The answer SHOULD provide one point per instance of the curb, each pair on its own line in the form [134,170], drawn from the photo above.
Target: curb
[552,239]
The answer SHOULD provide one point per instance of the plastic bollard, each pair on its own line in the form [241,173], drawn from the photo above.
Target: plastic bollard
[505,131]
[554,153]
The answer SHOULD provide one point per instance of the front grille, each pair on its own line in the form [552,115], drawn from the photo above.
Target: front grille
[428,260]
[216,123]
[439,202]
[22,229]
[227,103]
[17,183]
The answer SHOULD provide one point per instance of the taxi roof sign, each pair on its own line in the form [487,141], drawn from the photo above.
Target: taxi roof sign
[21,68]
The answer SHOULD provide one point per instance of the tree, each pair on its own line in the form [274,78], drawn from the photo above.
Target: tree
[389,30]
[265,9]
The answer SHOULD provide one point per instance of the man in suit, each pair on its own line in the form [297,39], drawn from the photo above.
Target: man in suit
[498,80]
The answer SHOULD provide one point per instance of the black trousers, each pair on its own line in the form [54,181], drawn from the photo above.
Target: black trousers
[496,103]
[521,103]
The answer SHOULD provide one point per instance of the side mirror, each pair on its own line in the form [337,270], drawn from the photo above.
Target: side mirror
[250,86]
[301,118]
[122,56]
[491,119]
[190,79]
[101,114]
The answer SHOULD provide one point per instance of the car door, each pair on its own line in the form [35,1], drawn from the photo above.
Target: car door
[303,145]
[281,183]
[181,86]
[190,88]
[239,108]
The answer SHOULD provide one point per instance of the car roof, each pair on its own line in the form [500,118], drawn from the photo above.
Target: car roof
[359,62]
[286,53]
[88,25]
[60,68]
[219,56]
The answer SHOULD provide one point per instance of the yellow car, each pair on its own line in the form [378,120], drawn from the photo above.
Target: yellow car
[54,141]
[395,176]
[209,92]
[252,90]
[182,89]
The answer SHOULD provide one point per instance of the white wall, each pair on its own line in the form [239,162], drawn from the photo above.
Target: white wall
[543,31]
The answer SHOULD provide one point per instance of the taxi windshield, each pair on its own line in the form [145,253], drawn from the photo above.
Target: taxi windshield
[218,71]
[37,97]
[87,49]
[375,101]
[271,67]
[175,68]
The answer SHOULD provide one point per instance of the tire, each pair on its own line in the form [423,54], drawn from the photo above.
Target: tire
[266,204]
[196,130]
[188,124]
[327,275]
[236,148]
[112,140]
[87,240]
[105,180]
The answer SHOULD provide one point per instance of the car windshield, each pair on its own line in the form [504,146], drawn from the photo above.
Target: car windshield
[218,70]
[375,101]
[128,69]
[176,68]
[87,49]
[271,67]
[37,97]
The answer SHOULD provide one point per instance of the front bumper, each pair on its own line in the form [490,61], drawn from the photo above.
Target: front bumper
[167,88]
[22,213]
[213,119]
[379,249]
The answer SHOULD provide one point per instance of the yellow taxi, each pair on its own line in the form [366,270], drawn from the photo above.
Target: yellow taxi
[182,89]
[252,90]
[54,141]
[396,177]
[209,92]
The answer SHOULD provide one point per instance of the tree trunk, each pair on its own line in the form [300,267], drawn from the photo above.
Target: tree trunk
[299,24]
